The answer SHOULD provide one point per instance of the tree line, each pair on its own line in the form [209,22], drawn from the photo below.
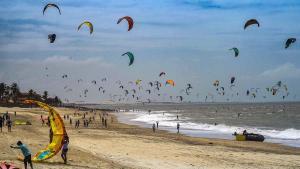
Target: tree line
[11,95]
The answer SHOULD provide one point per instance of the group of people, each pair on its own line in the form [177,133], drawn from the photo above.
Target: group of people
[6,120]
[155,126]
[86,121]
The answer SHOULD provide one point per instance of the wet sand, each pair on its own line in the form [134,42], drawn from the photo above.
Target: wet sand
[127,146]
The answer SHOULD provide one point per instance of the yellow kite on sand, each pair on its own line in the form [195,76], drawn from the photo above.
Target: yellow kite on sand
[59,133]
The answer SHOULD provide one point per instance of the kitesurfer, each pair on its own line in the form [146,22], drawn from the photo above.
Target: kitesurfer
[26,153]
[178,126]
[153,127]
[65,149]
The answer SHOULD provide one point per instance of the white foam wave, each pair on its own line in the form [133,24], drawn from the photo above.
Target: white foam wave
[170,120]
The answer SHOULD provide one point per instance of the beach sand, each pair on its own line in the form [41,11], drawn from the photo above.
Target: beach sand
[127,146]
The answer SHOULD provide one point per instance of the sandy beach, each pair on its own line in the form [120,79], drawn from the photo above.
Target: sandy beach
[126,146]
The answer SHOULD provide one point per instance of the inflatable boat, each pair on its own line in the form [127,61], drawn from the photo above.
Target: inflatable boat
[249,137]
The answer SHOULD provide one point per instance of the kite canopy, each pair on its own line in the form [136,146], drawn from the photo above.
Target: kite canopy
[51,5]
[131,57]
[51,37]
[289,42]
[170,82]
[88,24]
[216,83]
[236,51]
[138,82]
[251,22]
[232,80]
[59,133]
[162,73]
[129,20]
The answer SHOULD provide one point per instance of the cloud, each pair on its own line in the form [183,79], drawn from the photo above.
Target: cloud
[244,4]
[287,70]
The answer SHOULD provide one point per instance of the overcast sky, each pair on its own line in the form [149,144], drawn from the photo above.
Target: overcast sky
[187,39]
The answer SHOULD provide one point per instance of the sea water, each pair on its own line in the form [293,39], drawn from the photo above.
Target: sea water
[278,122]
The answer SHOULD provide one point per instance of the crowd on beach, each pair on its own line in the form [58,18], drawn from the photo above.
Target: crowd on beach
[5,120]
[86,118]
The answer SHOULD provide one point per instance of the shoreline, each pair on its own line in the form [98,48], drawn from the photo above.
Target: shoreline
[128,117]
[129,146]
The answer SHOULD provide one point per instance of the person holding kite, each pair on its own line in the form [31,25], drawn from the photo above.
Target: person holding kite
[26,153]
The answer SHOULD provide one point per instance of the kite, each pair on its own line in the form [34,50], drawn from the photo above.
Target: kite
[180,98]
[88,24]
[5,165]
[162,73]
[251,22]
[216,83]
[131,57]
[289,42]
[51,38]
[138,82]
[129,20]
[170,82]
[236,51]
[189,86]
[59,133]
[51,5]
[232,80]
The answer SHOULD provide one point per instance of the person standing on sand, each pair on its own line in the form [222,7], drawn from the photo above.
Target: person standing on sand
[156,124]
[1,123]
[50,135]
[71,121]
[105,122]
[65,149]
[26,153]
[178,126]
[9,124]
[153,127]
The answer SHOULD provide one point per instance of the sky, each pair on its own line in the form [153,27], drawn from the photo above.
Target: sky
[187,39]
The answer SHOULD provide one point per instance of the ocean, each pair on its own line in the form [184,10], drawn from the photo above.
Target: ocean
[278,122]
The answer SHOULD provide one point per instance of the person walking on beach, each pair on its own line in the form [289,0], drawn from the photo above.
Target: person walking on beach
[65,149]
[178,126]
[70,121]
[153,127]
[156,124]
[105,122]
[26,153]
[50,135]
[9,124]
[1,123]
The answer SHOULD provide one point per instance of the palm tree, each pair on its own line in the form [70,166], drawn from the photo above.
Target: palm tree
[30,94]
[15,91]
[57,101]
[45,96]
[2,90]
[6,93]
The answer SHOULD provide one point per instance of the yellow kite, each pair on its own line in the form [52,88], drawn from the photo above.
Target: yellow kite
[59,133]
